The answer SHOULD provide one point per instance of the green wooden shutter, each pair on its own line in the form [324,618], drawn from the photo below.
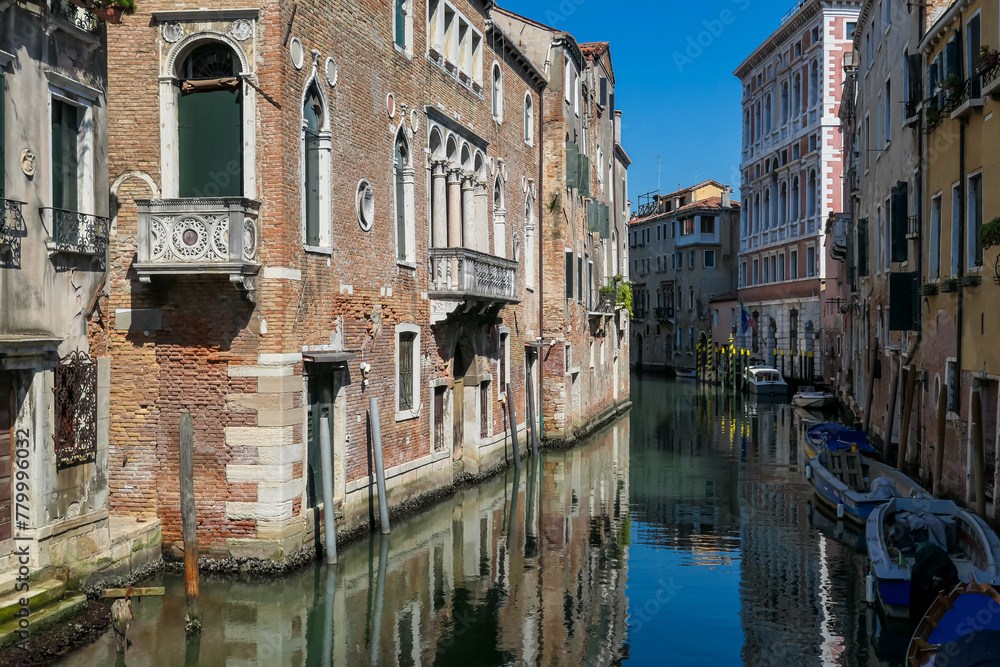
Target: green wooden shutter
[312,188]
[572,164]
[569,275]
[899,222]
[593,216]
[400,22]
[904,302]
[3,162]
[863,247]
[210,144]
[584,176]
[605,230]
[65,156]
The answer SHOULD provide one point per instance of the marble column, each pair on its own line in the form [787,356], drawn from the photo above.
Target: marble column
[482,217]
[439,204]
[469,212]
[454,209]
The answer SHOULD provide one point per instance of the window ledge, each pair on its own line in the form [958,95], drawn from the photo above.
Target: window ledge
[407,415]
[408,54]
[317,250]
[410,266]
[992,88]
[967,108]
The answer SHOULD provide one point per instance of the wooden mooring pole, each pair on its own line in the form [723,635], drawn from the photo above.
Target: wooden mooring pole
[512,420]
[329,516]
[904,427]
[530,395]
[189,524]
[942,406]
[383,506]
[978,454]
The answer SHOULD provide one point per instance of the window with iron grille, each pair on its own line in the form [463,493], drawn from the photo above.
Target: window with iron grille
[484,410]
[406,341]
[75,405]
[439,393]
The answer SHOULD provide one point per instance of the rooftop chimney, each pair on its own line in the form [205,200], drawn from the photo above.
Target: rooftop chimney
[726,193]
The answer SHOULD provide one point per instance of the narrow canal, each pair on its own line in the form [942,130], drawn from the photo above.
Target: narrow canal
[683,534]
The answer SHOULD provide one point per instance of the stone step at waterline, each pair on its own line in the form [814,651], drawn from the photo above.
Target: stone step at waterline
[44,618]
[40,594]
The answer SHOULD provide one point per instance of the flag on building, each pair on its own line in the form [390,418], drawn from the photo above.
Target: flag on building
[745,320]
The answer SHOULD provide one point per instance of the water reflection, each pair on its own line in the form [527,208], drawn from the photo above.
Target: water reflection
[683,534]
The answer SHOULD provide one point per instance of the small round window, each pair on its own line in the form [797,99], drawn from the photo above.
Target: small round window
[365,202]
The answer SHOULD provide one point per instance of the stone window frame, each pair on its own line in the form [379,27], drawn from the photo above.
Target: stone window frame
[325,168]
[413,413]
[529,242]
[409,259]
[169,92]
[406,7]
[496,91]
[529,119]
[503,353]
[84,98]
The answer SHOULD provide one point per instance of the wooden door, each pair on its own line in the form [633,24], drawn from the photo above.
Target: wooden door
[6,448]
[458,417]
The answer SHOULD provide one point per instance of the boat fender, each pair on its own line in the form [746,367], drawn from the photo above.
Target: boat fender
[870,588]
[809,471]
[840,510]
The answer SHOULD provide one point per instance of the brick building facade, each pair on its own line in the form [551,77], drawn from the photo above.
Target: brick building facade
[308,216]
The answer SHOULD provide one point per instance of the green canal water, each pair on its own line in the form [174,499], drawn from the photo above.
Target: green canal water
[683,534]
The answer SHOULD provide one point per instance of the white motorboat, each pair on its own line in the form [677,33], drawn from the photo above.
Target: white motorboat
[808,397]
[764,381]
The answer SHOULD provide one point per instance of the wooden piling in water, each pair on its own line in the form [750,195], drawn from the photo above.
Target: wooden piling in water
[530,395]
[904,427]
[978,454]
[189,524]
[942,406]
[512,420]
[329,519]
[383,506]
[893,395]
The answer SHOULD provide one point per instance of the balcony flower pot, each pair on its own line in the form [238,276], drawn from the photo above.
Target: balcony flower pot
[953,86]
[989,233]
[949,285]
[463,77]
[933,114]
[971,281]
[928,289]
[987,60]
[108,11]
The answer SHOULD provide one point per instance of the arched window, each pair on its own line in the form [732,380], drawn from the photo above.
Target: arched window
[783,204]
[209,124]
[403,180]
[814,84]
[795,199]
[529,120]
[797,95]
[767,209]
[756,130]
[499,219]
[755,222]
[784,103]
[767,114]
[497,92]
[614,254]
[811,194]
[312,122]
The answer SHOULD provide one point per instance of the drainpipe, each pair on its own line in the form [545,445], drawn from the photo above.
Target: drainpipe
[541,254]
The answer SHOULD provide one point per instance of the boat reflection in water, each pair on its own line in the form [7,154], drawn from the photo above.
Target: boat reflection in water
[678,535]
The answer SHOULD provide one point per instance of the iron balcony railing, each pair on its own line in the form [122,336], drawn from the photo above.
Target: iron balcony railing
[77,232]
[75,15]
[664,312]
[462,274]
[11,231]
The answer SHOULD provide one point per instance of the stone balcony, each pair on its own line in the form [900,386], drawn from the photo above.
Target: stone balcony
[195,237]
[464,275]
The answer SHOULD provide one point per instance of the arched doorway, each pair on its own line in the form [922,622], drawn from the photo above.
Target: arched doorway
[464,387]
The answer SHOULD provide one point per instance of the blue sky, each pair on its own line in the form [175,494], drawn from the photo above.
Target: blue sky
[673,67]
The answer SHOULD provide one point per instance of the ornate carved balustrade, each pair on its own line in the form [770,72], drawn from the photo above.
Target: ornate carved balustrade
[199,236]
[77,233]
[460,274]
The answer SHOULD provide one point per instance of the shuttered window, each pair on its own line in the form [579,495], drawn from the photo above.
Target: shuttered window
[65,155]
[863,247]
[209,116]
[405,352]
[313,116]
[400,20]
[898,221]
[569,275]
[3,113]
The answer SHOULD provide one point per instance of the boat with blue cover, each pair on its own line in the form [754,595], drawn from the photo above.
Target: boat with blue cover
[829,435]
[854,486]
[961,628]
[916,543]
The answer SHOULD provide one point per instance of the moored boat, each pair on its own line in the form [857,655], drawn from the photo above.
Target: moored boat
[921,541]
[764,380]
[962,627]
[828,435]
[808,397]
[854,486]
[684,372]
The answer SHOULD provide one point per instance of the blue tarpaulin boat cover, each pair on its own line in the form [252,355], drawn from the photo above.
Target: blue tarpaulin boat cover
[838,436]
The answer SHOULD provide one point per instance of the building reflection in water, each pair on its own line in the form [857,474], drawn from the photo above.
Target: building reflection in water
[682,534]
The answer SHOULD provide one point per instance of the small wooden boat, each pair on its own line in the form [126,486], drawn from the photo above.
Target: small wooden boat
[684,372]
[808,397]
[828,435]
[902,534]
[764,380]
[962,626]
[853,485]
